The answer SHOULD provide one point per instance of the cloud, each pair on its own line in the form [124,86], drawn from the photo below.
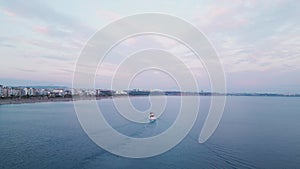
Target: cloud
[108,15]
[70,46]
[244,15]
[38,10]
[260,37]
[52,31]
[253,35]
[8,42]
[8,12]
[7,45]
[278,52]
[106,70]
[220,17]
[59,58]
[26,70]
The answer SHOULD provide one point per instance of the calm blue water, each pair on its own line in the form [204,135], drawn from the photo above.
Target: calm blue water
[255,132]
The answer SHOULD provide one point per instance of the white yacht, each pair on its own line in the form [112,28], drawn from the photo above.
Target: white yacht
[152,117]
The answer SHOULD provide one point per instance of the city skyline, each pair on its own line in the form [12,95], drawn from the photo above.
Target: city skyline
[27,92]
[257,42]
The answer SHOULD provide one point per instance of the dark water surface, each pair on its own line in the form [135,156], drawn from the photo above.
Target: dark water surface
[255,132]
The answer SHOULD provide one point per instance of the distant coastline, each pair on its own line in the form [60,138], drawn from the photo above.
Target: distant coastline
[43,99]
[5,101]
[36,94]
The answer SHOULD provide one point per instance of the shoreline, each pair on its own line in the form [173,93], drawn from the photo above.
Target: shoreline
[31,100]
[8,101]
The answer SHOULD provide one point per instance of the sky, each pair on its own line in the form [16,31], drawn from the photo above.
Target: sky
[258,42]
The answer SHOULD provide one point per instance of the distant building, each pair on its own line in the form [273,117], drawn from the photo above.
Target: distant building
[121,92]
[98,92]
[31,92]
[42,92]
[25,91]
[67,93]
[5,92]
[1,90]
[90,92]
[107,93]
[57,93]
[77,92]
[137,92]
[16,92]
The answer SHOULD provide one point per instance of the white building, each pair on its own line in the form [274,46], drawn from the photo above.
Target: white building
[25,92]
[10,92]
[5,92]
[31,92]
[121,92]
[43,92]
[57,92]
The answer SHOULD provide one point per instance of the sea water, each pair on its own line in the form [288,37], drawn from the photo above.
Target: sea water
[255,132]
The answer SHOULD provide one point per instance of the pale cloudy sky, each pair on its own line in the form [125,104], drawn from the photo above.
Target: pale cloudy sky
[258,42]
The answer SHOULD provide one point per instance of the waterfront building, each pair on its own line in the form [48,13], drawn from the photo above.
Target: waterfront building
[42,92]
[5,92]
[90,92]
[31,92]
[10,92]
[121,92]
[1,90]
[16,92]
[98,92]
[57,92]
[68,92]
[107,92]
[25,91]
